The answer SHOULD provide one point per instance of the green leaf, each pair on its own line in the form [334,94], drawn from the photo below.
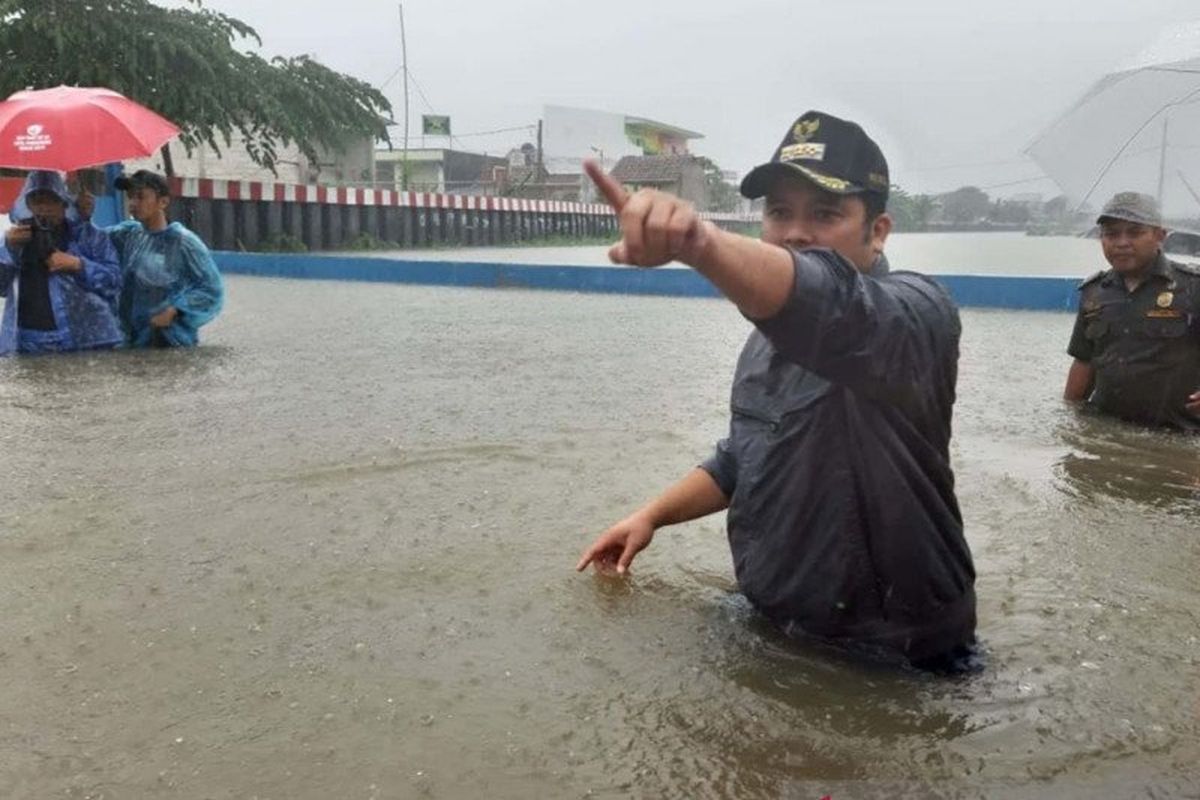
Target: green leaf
[187,67]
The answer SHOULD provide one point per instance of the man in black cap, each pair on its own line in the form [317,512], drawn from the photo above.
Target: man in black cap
[1136,342]
[171,283]
[836,472]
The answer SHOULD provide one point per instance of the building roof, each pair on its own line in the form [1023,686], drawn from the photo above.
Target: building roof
[651,169]
[642,122]
[530,175]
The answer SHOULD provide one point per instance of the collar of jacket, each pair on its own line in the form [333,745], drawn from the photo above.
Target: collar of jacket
[880,267]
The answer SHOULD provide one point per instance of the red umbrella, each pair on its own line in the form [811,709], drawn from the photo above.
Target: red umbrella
[70,128]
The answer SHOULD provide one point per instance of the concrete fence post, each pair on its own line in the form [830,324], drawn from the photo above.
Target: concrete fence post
[273,220]
[202,220]
[408,226]
[351,223]
[371,222]
[293,220]
[331,216]
[248,229]
[494,235]
[314,226]
[421,231]
[225,233]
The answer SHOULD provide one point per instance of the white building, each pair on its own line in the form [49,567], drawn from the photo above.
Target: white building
[354,166]
[572,134]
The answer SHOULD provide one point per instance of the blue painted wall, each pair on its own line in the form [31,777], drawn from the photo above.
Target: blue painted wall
[987,291]
[1010,291]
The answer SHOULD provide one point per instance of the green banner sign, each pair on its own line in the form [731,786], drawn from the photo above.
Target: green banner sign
[432,125]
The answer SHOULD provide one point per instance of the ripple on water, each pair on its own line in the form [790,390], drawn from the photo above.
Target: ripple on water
[338,556]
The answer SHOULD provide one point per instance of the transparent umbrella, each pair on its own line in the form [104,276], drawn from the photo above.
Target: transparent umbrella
[1137,128]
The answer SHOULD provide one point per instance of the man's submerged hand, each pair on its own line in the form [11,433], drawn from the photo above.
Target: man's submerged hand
[656,227]
[616,548]
[1193,404]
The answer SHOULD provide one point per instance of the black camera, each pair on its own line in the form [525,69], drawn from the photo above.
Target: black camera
[43,241]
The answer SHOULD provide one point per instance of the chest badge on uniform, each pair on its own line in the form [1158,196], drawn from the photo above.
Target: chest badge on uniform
[1165,299]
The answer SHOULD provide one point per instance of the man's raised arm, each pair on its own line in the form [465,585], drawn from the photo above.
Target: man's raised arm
[657,228]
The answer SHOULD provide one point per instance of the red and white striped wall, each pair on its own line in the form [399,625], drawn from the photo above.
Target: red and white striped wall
[212,189]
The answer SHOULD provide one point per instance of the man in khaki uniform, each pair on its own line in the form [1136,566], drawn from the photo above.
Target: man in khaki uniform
[1136,342]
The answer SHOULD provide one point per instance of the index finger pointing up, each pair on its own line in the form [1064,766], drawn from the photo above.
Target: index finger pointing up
[613,192]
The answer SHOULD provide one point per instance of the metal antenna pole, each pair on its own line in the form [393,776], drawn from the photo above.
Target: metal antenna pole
[404,69]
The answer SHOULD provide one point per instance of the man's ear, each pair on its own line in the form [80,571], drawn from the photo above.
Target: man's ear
[880,229]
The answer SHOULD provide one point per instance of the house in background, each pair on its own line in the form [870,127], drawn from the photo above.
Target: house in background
[681,175]
[527,177]
[658,138]
[574,134]
[435,169]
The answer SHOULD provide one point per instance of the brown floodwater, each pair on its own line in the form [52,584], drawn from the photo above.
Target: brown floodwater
[329,555]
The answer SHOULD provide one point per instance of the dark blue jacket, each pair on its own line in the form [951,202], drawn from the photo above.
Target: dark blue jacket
[843,520]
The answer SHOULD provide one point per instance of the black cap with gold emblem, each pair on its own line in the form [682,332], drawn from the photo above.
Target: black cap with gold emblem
[833,153]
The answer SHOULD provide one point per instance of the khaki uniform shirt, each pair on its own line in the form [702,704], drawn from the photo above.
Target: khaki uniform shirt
[1144,345]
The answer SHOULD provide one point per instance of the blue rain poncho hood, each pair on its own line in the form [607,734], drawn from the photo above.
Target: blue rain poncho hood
[43,180]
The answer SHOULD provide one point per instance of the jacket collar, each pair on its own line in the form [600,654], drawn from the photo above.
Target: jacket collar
[880,267]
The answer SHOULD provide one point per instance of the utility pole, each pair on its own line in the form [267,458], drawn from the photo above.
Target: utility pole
[540,159]
[404,69]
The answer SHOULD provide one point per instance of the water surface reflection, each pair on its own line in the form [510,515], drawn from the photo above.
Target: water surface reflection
[334,560]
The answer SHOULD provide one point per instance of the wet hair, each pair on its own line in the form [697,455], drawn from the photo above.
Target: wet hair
[875,205]
[144,179]
[45,194]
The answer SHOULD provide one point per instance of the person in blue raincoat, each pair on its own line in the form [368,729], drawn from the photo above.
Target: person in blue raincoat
[60,277]
[171,285]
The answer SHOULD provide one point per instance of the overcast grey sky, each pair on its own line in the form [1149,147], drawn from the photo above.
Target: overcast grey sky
[952,89]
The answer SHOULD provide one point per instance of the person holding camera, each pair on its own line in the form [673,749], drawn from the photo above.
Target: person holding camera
[60,277]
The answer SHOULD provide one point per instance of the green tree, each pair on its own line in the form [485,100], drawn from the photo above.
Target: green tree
[899,207]
[1006,211]
[966,204]
[910,212]
[924,207]
[1056,208]
[722,196]
[185,64]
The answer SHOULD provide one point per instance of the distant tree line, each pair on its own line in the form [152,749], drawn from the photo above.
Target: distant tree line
[972,207]
[722,196]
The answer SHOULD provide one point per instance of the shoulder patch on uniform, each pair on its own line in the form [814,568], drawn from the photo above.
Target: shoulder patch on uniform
[1092,279]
